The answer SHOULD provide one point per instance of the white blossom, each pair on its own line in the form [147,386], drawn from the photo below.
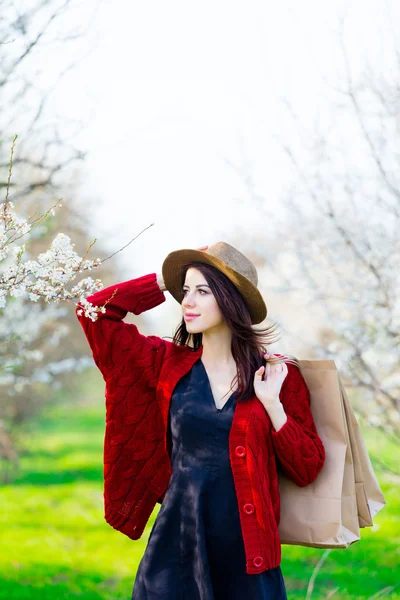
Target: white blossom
[48,276]
[24,280]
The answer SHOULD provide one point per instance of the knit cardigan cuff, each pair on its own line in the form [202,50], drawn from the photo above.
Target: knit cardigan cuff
[135,295]
[288,435]
[148,290]
[301,454]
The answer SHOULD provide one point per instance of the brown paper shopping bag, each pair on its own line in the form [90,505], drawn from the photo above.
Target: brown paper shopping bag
[370,499]
[325,514]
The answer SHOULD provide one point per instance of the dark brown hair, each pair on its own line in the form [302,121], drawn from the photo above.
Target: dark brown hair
[248,344]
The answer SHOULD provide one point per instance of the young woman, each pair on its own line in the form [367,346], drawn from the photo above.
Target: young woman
[200,425]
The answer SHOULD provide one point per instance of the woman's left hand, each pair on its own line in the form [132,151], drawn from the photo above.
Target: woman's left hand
[267,390]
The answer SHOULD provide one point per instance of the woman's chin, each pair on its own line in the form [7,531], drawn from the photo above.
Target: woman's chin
[191,328]
[194,329]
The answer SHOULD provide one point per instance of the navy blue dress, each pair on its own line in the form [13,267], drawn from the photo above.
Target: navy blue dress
[195,548]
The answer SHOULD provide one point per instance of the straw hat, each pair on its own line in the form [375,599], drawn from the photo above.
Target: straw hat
[235,265]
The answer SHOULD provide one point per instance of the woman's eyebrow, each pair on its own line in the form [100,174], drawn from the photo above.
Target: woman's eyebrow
[200,285]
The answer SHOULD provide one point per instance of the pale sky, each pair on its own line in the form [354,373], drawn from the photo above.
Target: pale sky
[173,90]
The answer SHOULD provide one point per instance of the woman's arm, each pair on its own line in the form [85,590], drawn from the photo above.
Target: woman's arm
[297,445]
[113,341]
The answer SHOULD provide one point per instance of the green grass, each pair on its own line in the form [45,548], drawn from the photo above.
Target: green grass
[55,543]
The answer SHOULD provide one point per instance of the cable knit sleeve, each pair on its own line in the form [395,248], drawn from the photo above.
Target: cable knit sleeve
[298,447]
[113,341]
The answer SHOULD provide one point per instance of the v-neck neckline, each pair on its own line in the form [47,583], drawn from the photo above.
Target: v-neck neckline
[211,393]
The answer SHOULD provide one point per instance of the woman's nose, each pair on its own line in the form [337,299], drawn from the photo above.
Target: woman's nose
[187,301]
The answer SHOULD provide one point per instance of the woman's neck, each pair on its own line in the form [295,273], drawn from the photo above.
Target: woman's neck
[217,349]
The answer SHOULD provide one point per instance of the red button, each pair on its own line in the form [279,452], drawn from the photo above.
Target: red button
[258,561]
[240,450]
[248,508]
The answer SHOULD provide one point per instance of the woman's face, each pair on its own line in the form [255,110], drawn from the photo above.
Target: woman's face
[199,299]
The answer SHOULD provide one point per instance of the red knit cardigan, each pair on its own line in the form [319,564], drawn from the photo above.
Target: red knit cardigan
[141,373]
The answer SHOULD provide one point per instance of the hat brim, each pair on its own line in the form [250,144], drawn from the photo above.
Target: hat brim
[176,260]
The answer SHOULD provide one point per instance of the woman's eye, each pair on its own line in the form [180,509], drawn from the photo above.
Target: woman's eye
[204,291]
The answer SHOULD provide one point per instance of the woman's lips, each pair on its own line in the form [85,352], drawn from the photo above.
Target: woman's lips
[191,317]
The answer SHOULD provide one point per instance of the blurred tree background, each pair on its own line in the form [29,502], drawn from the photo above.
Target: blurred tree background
[38,353]
[41,344]
[335,255]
